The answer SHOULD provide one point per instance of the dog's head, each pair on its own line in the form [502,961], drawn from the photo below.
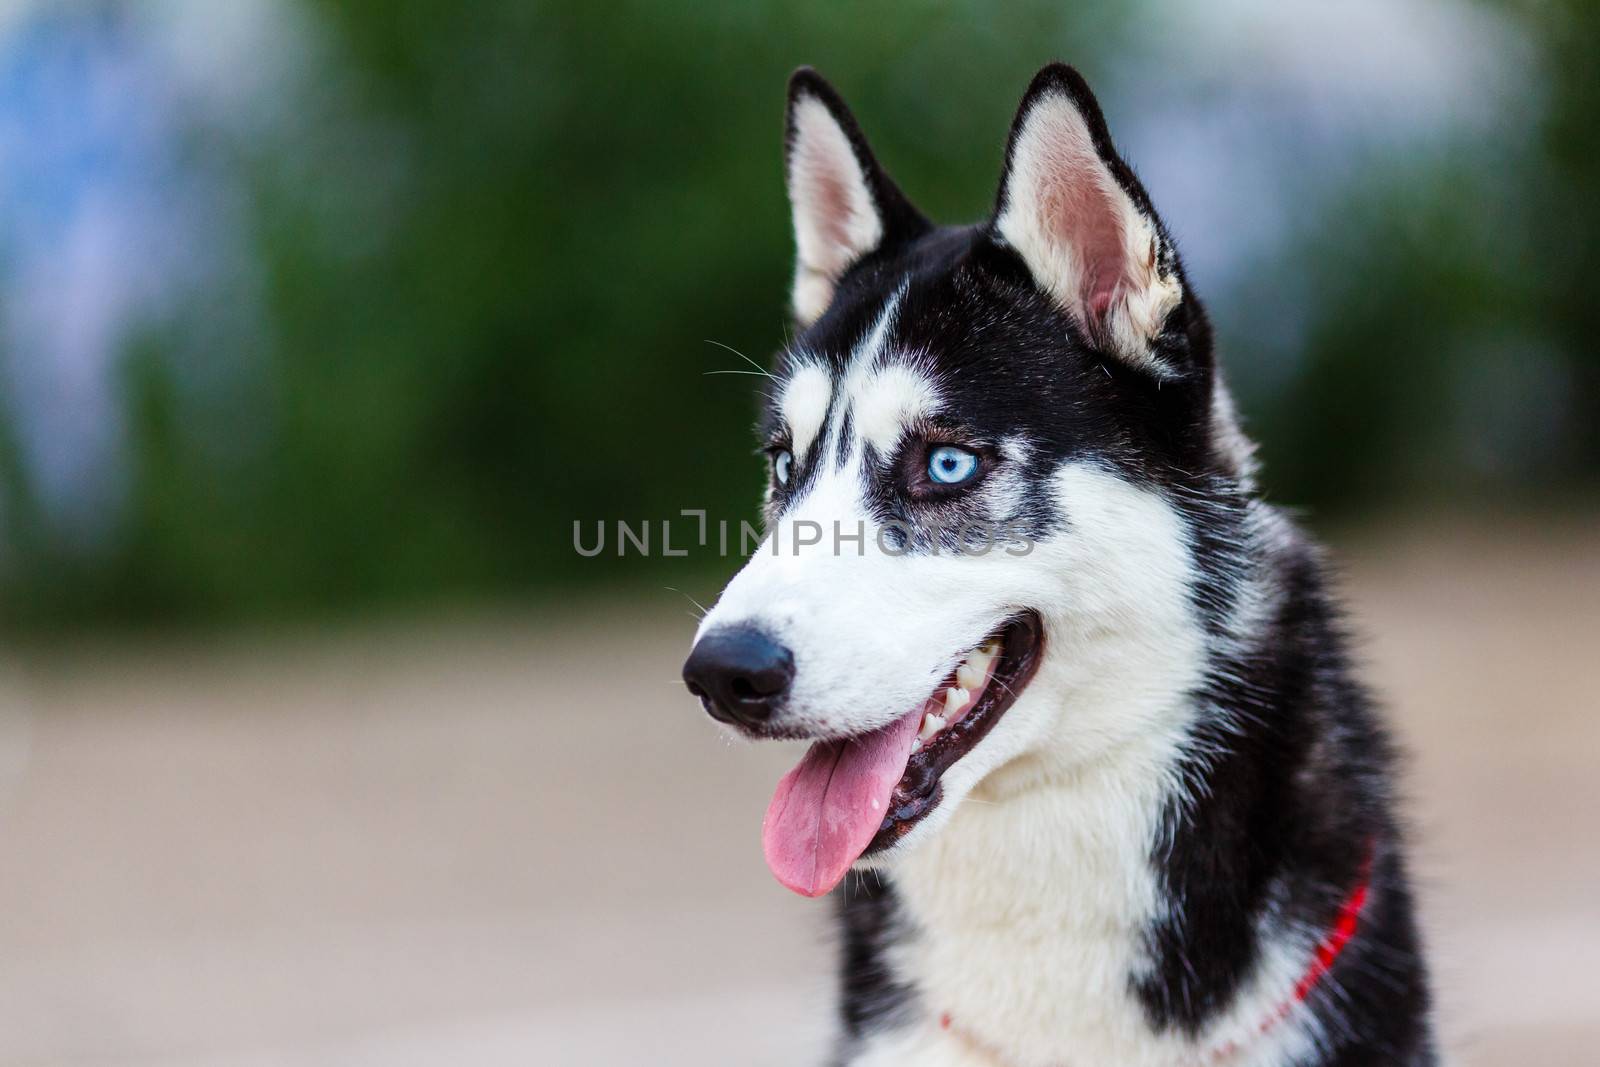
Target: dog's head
[978,566]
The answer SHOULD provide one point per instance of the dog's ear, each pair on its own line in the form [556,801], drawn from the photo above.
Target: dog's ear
[844,205]
[1080,220]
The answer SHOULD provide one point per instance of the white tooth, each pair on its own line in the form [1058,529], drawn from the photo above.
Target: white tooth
[955,700]
[931,724]
[916,745]
[970,674]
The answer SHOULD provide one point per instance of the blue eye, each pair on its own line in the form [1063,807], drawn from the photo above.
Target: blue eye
[949,465]
[781,462]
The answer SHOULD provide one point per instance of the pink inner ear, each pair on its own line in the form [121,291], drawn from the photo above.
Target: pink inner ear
[827,190]
[1081,209]
[1086,217]
[1099,304]
[831,205]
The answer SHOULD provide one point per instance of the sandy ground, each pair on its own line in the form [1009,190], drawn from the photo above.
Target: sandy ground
[497,841]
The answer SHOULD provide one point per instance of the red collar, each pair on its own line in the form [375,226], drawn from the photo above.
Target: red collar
[1328,949]
[1322,959]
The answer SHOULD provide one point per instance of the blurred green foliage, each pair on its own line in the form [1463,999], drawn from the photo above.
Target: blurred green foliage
[1451,351]
[494,241]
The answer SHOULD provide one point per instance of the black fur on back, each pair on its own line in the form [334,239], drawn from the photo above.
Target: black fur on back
[1286,808]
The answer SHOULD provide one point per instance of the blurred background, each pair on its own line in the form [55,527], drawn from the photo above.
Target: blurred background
[321,324]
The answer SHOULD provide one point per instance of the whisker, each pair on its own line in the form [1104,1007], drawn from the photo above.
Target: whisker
[759,369]
[703,609]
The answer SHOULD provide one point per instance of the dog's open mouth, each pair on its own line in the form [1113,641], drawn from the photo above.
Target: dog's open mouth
[853,796]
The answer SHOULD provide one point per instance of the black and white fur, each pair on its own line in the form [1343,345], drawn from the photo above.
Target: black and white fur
[1134,867]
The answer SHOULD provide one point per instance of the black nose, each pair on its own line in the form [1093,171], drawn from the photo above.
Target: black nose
[740,674]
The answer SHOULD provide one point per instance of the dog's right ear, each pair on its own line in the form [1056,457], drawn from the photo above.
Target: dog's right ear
[844,205]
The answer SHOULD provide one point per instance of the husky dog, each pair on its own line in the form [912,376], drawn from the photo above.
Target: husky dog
[1110,792]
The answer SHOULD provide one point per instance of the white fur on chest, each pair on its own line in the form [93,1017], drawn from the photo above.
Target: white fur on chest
[1027,916]
[1025,929]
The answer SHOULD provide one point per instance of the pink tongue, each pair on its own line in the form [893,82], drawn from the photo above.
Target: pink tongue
[826,811]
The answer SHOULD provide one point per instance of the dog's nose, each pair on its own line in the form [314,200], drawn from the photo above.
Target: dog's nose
[740,674]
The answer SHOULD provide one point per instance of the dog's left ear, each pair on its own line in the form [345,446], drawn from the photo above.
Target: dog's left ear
[845,206]
[1080,220]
